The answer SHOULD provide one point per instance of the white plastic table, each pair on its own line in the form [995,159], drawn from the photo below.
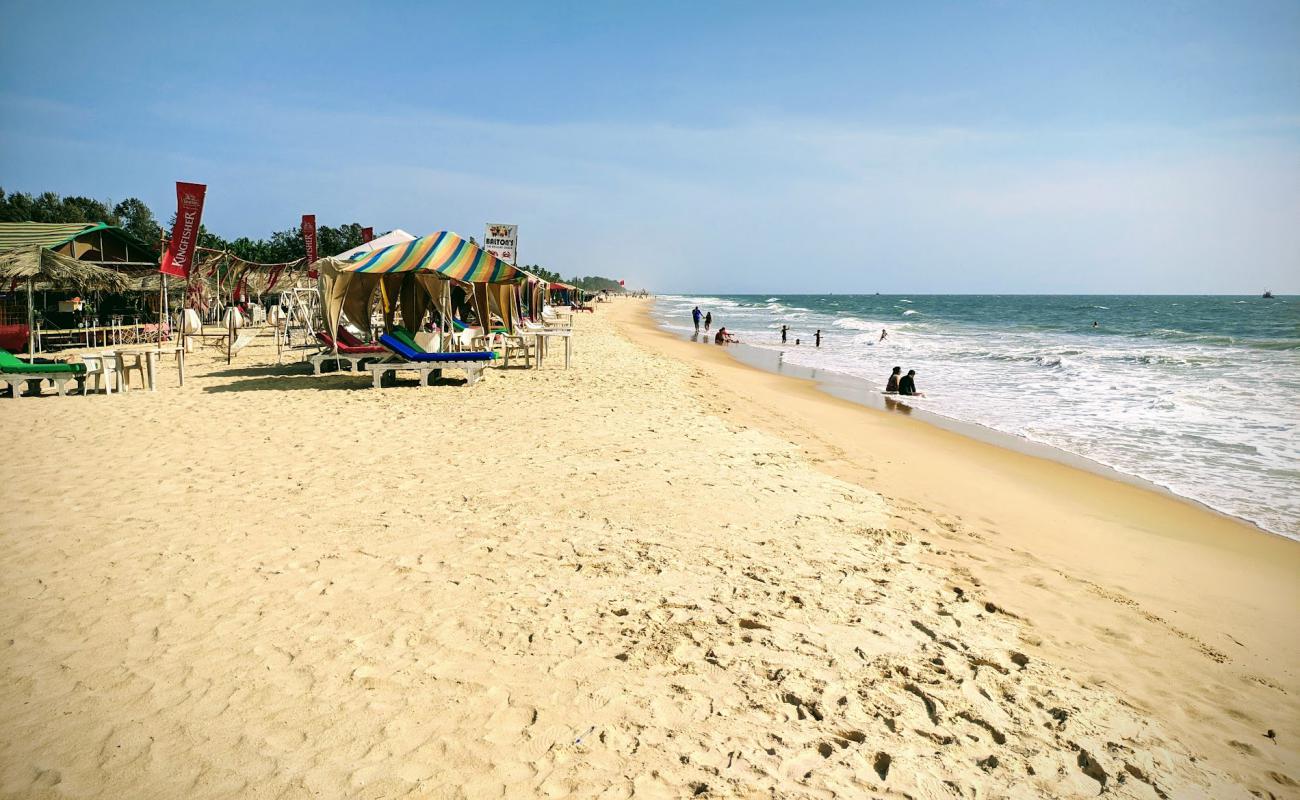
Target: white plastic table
[542,336]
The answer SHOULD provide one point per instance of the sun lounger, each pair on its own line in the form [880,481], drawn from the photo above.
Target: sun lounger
[350,339]
[355,354]
[15,373]
[410,356]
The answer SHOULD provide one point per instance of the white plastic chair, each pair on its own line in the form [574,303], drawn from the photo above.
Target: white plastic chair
[103,368]
[125,368]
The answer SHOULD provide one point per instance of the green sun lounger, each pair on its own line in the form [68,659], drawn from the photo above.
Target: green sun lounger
[15,373]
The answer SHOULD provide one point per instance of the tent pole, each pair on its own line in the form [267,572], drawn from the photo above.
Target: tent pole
[162,310]
[31,328]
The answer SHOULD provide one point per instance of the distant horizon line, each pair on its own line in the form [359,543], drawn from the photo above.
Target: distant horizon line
[1258,295]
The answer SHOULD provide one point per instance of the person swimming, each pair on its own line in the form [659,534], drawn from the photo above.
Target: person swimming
[891,387]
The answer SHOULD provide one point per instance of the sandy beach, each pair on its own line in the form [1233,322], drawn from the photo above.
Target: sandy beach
[660,573]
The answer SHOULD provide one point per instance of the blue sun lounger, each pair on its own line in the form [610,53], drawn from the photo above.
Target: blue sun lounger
[429,365]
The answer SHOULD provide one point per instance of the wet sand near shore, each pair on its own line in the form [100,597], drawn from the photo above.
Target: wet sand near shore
[1193,615]
[660,573]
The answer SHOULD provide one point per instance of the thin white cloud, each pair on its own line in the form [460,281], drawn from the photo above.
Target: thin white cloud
[766,203]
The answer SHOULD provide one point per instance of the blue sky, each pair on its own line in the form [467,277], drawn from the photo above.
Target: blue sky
[917,147]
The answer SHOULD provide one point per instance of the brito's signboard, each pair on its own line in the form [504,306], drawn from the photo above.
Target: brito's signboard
[502,241]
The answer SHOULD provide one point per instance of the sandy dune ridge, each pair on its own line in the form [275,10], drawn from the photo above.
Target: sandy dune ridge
[554,583]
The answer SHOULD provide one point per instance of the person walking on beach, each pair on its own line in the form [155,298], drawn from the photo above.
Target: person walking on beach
[907,385]
[695,315]
[784,330]
[708,321]
[883,335]
[891,386]
[818,337]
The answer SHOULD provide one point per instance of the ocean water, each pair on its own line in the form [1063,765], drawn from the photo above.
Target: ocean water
[1199,394]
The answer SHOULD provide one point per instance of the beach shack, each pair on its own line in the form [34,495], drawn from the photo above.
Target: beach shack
[38,268]
[70,313]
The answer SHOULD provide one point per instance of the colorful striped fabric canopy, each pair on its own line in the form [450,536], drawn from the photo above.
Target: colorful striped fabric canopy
[443,252]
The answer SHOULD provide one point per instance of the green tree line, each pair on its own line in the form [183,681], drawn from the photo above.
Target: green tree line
[590,283]
[136,218]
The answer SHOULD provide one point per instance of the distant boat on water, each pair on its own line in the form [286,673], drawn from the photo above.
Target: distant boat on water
[1268,295]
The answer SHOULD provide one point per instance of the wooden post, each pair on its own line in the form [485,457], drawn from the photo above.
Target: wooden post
[31,328]
[162,310]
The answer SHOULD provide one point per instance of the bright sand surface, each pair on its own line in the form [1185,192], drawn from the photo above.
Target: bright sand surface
[660,573]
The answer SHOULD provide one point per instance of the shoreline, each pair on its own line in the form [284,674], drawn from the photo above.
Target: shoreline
[1169,603]
[856,390]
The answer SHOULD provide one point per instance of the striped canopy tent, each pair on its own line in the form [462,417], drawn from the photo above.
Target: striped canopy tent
[415,276]
[564,293]
[531,295]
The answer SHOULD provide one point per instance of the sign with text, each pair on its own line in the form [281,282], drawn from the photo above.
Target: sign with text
[502,241]
[309,239]
[179,258]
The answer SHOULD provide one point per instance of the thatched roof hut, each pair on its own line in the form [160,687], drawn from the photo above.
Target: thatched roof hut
[46,269]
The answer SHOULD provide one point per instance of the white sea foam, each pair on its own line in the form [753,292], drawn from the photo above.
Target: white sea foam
[855,324]
[1185,410]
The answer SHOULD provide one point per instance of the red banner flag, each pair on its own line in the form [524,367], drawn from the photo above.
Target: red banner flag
[622,282]
[179,258]
[309,239]
[367,234]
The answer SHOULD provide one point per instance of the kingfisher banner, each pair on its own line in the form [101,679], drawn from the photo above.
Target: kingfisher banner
[179,258]
[367,234]
[309,239]
[502,241]
[309,236]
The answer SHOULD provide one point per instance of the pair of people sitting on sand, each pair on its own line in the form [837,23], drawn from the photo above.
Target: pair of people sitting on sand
[722,337]
[904,385]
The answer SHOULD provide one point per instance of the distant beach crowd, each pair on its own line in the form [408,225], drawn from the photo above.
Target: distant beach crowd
[897,383]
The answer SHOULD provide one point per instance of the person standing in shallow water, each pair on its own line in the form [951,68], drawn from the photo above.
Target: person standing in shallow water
[785,329]
[695,315]
[818,337]
[708,321]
